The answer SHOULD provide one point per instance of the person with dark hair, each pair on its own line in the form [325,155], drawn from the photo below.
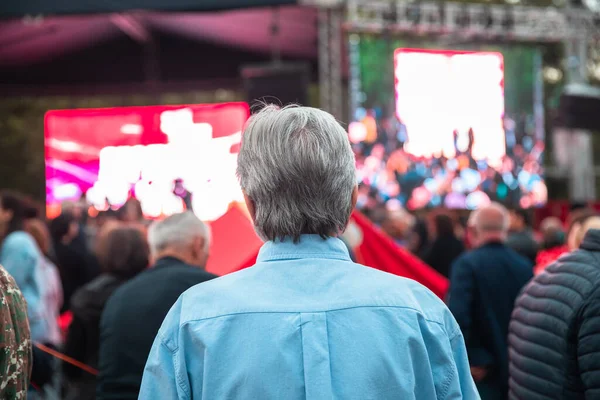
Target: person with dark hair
[21,258]
[520,236]
[418,241]
[446,247]
[553,244]
[123,252]
[131,211]
[74,261]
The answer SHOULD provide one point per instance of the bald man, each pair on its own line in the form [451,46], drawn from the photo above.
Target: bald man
[484,284]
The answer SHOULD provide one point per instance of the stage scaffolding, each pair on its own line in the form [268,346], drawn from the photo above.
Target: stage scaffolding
[577,28]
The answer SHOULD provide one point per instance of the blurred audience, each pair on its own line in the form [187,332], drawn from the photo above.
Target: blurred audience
[123,253]
[134,314]
[389,168]
[78,211]
[15,342]
[399,224]
[305,321]
[555,330]
[520,237]
[418,241]
[76,265]
[484,284]
[572,239]
[553,245]
[552,232]
[445,246]
[131,212]
[21,258]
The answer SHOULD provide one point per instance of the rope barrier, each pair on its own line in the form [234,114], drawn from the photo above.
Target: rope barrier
[67,359]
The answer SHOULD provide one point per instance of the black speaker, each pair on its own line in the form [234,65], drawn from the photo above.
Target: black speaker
[280,83]
[580,108]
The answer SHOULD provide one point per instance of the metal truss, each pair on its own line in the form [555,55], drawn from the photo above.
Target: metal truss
[330,60]
[518,23]
[575,27]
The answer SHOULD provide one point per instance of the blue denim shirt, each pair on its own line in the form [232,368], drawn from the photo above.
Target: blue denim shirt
[307,323]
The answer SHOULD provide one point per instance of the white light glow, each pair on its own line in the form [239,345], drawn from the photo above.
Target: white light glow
[438,93]
[132,129]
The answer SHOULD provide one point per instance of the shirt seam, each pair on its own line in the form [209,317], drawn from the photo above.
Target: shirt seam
[317,311]
[446,385]
[175,356]
[284,256]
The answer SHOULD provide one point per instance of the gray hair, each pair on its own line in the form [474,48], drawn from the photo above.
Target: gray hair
[297,167]
[177,230]
[492,218]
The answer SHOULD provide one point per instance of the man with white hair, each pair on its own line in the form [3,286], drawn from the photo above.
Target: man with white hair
[305,322]
[132,316]
[484,284]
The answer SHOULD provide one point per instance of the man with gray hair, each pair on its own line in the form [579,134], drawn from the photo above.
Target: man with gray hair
[484,284]
[179,246]
[305,322]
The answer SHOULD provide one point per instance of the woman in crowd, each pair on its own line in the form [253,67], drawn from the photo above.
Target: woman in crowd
[123,252]
[418,242]
[21,258]
[52,293]
[445,247]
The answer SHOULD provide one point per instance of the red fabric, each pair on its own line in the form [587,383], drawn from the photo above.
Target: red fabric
[547,257]
[64,320]
[235,245]
[379,251]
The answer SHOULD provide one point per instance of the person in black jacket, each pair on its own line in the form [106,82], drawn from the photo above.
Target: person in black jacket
[134,314]
[123,253]
[520,237]
[484,284]
[555,329]
[76,265]
[446,247]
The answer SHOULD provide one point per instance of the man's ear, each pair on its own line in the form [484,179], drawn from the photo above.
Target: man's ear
[197,246]
[354,196]
[250,205]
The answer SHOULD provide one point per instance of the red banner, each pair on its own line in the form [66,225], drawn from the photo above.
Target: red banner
[235,247]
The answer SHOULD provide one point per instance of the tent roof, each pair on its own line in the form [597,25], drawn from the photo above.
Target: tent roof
[56,50]
[19,8]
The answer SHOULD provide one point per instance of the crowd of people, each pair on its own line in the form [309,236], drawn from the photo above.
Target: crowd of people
[389,173]
[118,307]
[66,271]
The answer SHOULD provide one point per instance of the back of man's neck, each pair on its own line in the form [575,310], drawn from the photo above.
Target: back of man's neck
[175,254]
[493,238]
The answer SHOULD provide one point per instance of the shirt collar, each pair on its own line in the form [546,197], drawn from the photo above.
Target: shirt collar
[309,246]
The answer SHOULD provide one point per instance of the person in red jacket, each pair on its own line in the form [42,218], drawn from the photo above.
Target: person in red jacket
[554,250]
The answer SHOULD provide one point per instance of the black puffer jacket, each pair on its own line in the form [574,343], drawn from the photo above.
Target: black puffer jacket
[554,335]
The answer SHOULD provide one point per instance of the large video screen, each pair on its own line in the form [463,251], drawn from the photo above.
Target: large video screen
[109,155]
[447,128]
